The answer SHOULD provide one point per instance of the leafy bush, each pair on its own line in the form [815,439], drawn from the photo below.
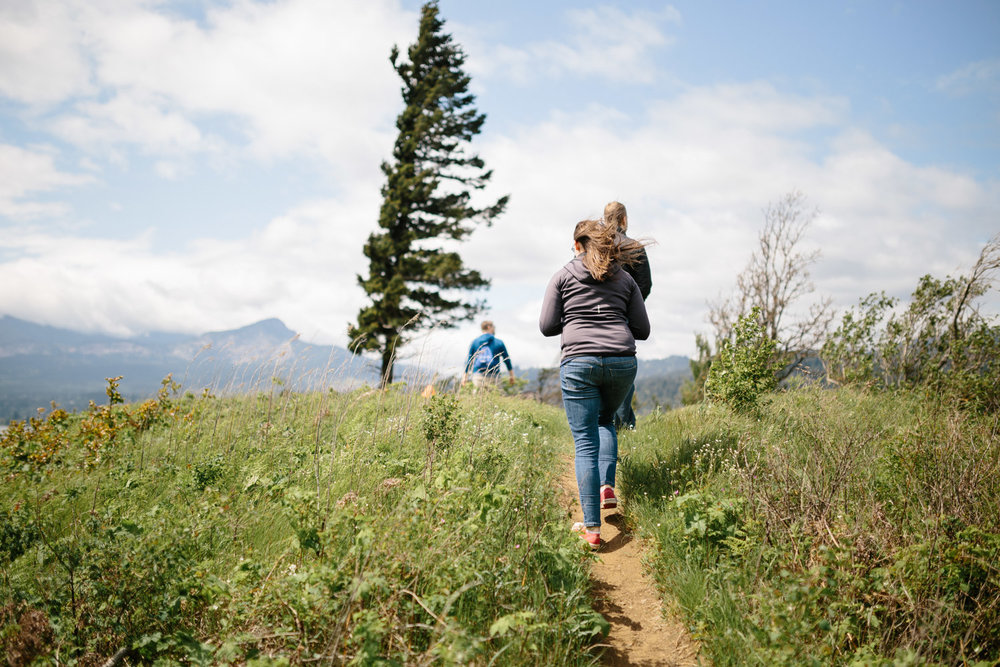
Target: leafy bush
[941,341]
[33,445]
[18,532]
[744,369]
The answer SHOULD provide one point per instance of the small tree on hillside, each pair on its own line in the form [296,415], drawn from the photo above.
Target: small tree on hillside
[693,390]
[775,279]
[744,369]
[940,340]
[414,283]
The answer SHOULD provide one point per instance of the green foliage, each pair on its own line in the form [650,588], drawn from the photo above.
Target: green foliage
[710,523]
[693,391]
[32,446]
[297,528]
[440,420]
[18,532]
[414,284]
[835,527]
[851,353]
[34,443]
[744,369]
[205,473]
[940,341]
[959,564]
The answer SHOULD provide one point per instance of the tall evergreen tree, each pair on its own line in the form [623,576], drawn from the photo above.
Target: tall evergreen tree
[413,283]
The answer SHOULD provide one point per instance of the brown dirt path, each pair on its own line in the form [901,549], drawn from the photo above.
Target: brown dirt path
[640,634]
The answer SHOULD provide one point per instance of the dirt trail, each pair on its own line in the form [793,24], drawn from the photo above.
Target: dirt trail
[627,597]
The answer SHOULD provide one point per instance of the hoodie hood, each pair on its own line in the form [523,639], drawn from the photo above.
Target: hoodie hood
[580,272]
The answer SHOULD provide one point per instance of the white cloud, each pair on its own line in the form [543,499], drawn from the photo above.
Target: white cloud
[128,120]
[25,172]
[696,172]
[278,79]
[300,268]
[41,53]
[701,162]
[606,42]
[310,79]
[976,77]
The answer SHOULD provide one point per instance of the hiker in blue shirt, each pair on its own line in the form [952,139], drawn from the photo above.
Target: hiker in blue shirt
[485,355]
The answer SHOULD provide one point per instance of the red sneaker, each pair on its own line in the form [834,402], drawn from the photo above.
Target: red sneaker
[608,499]
[593,539]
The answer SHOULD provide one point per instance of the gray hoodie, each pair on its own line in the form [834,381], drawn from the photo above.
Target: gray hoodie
[598,318]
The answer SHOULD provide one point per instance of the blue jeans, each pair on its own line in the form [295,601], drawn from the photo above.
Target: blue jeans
[625,416]
[592,390]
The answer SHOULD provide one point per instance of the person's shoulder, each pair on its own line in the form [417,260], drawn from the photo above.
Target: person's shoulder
[622,273]
[626,279]
[561,275]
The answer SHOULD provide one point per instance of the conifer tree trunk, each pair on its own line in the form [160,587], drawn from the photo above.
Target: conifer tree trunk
[387,366]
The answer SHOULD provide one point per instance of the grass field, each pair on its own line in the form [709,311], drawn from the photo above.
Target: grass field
[837,527]
[293,528]
[834,527]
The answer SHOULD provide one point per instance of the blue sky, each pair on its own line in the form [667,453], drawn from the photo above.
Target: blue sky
[194,166]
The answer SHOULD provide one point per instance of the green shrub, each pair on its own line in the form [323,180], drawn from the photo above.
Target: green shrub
[940,342]
[744,369]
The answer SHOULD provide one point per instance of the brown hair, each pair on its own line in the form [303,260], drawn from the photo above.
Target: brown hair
[486,325]
[604,246]
[615,215]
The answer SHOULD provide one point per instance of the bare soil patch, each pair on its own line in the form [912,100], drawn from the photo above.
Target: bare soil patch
[640,633]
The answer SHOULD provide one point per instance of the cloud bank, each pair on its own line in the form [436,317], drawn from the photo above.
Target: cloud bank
[265,85]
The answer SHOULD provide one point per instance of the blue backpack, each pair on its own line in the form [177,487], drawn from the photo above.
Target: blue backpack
[483,358]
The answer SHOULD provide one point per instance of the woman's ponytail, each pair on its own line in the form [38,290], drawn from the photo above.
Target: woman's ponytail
[604,246]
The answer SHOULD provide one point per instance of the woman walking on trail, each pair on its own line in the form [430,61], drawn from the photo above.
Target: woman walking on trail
[599,310]
[616,216]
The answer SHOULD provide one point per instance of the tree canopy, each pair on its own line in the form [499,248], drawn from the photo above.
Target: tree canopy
[416,280]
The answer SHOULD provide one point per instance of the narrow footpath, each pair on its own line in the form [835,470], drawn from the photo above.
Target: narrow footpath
[627,597]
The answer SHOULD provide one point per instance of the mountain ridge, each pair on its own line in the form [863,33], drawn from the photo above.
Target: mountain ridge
[40,364]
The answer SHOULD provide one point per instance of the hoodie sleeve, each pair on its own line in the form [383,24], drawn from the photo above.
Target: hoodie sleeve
[638,320]
[505,357]
[472,353]
[642,276]
[550,321]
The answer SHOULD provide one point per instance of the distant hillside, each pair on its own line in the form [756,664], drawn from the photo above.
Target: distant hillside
[40,364]
[658,382]
[674,364]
